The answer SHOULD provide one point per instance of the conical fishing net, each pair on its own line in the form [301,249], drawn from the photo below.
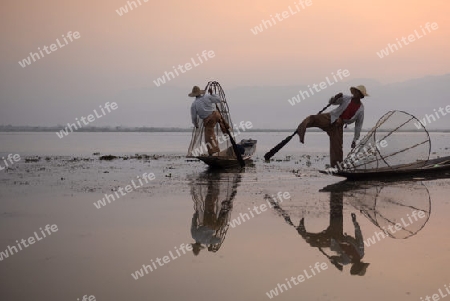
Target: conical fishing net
[399,210]
[198,145]
[212,194]
[398,140]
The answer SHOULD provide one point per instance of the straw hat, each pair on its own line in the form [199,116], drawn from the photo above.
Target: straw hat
[361,89]
[196,248]
[359,268]
[196,92]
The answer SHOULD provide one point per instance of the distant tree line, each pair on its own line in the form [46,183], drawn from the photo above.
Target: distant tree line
[106,129]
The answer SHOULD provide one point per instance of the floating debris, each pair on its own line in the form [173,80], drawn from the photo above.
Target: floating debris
[108,157]
[32,159]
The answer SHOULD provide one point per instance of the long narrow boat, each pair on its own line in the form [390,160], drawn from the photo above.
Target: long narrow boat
[226,158]
[394,148]
[435,168]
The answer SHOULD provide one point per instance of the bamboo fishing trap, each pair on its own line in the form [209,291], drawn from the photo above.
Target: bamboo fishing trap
[400,210]
[397,141]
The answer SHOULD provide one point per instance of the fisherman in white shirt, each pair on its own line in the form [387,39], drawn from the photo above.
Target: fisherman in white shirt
[204,107]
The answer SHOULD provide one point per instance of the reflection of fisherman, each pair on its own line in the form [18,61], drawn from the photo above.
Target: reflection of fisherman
[349,249]
[204,107]
[202,234]
[209,222]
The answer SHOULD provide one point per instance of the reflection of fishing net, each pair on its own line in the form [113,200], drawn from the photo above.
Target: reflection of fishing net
[213,195]
[398,140]
[198,144]
[407,205]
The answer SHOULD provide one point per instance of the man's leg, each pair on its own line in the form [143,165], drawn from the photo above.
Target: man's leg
[336,133]
[210,135]
[322,121]
[223,124]
[215,118]
[211,199]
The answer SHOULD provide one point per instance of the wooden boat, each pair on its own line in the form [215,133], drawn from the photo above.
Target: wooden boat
[227,158]
[435,168]
[394,148]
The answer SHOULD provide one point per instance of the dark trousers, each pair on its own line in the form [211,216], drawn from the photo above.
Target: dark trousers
[334,131]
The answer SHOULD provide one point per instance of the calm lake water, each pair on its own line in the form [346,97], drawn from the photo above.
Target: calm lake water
[85,144]
[277,230]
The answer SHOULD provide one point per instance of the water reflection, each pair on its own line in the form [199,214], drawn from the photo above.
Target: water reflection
[213,194]
[399,210]
[347,249]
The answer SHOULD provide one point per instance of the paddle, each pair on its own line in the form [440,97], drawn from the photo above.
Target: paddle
[280,145]
[233,143]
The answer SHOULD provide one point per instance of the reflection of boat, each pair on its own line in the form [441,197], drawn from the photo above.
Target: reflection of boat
[435,168]
[213,194]
[226,158]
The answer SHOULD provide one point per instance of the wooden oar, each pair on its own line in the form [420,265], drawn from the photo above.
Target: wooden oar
[233,143]
[280,145]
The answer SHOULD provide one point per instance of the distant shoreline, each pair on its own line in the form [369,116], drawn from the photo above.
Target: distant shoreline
[6,129]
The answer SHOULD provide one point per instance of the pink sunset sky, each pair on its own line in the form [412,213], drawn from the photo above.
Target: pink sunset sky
[118,53]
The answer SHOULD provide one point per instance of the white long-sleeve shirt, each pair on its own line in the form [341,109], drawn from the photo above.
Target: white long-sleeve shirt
[203,234]
[358,118]
[203,106]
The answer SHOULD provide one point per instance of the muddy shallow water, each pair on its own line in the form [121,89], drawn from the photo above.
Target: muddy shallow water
[157,226]
[279,228]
